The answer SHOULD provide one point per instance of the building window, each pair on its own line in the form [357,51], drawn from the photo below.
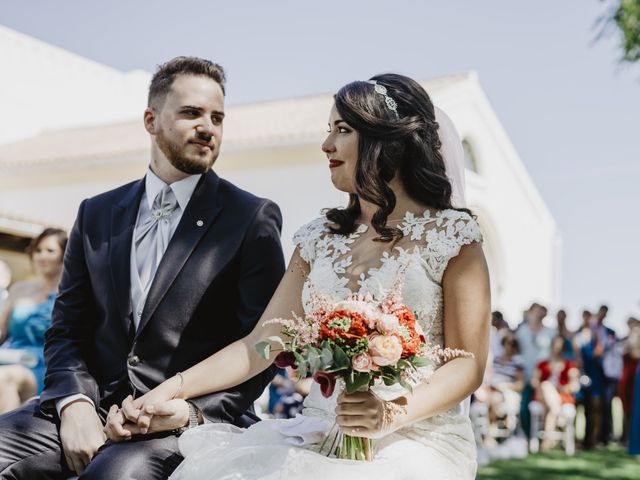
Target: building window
[470,160]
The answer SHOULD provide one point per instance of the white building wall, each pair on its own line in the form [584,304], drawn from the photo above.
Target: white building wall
[45,87]
[518,227]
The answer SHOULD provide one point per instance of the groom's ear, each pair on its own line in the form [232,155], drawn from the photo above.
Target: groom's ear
[150,120]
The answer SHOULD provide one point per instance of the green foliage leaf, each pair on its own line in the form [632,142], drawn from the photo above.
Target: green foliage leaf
[340,359]
[406,385]
[263,349]
[391,378]
[357,381]
[404,364]
[418,361]
[302,364]
[313,359]
[326,358]
[278,340]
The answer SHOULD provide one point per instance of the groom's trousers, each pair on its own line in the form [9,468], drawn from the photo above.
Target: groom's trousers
[30,449]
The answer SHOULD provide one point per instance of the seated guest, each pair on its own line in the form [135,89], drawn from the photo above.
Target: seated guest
[507,381]
[25,317]
[535,342]
[5,281]
[499,328]
[555,381]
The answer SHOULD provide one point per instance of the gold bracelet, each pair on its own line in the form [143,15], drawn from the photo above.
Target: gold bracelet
[179,374]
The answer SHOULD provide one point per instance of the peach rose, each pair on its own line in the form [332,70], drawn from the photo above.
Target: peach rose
[385,349]
[361,363]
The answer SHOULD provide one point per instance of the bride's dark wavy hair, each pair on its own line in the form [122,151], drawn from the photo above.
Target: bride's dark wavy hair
[407,145]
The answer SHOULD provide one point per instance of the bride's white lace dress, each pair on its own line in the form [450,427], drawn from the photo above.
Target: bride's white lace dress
[441,447]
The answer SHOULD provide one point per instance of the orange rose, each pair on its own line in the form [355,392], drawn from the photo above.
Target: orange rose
[348,326]
[408,335]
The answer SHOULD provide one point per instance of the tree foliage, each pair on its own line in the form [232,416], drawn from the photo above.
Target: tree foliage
[624,18]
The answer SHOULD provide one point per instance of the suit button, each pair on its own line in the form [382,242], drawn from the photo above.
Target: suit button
[133,361]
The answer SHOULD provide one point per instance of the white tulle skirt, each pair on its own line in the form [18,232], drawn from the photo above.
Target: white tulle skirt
[440,448]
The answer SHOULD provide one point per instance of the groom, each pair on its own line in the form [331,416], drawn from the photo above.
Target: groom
[158,275]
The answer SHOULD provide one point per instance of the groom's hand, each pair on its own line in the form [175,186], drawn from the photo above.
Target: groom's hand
[164,416]
[81,434]
[120,421]
[115,429]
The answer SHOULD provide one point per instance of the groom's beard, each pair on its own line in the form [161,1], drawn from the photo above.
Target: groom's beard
[180,159]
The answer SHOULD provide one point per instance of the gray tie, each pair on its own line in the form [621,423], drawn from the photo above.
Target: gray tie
[153,235]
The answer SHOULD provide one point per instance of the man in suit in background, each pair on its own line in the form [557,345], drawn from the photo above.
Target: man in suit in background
[158,275]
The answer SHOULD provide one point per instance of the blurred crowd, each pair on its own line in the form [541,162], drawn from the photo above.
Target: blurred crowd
[540,381]
[539,377]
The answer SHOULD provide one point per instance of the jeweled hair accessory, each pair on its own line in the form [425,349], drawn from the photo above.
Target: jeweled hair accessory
[382,90]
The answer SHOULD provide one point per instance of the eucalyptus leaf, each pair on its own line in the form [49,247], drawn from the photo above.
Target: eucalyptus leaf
[340,359]
[302,364]
[357,381]
[263,349]
[278,340]
[404,364]
[326,358]
[407,386]
[313,358]
[418,361]
[390,379]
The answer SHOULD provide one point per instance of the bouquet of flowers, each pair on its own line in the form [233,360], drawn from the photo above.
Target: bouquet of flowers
[364,342]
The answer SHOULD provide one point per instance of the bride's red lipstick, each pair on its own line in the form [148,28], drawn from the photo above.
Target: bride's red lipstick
[333,163]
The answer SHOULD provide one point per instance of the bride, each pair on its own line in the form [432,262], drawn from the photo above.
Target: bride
[384,149]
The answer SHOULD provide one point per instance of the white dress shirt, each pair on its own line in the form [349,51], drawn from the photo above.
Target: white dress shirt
[183,190]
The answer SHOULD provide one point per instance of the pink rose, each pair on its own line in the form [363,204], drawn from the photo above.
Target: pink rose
[361,363]
[387,323]
[385,349]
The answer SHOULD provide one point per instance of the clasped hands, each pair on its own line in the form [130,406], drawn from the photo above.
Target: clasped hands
[145,415]
[360,414]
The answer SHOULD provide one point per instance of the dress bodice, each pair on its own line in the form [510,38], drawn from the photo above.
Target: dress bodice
[442,446]
[429,242]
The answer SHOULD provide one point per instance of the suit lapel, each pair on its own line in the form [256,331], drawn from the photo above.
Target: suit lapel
[123,220]
[201,212]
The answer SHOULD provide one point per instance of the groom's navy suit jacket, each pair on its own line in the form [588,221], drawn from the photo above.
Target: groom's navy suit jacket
[215,279]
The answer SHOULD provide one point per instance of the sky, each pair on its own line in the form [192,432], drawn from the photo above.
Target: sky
[568,105]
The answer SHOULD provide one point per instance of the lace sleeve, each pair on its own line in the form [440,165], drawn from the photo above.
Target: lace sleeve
[467,230]
[307,236]
[458,229]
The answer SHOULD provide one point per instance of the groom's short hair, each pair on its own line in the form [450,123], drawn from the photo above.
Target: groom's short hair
[167,72]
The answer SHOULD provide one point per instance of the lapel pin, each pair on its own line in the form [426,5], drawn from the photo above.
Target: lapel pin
[199,223]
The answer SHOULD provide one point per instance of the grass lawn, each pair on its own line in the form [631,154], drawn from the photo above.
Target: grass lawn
[612,463]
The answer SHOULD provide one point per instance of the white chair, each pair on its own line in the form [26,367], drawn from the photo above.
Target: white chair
[565,430]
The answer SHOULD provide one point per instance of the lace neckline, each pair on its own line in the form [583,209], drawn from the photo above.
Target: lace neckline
[339,247]
[408,217]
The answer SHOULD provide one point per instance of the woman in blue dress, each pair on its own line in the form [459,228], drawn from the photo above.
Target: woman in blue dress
[25,317]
